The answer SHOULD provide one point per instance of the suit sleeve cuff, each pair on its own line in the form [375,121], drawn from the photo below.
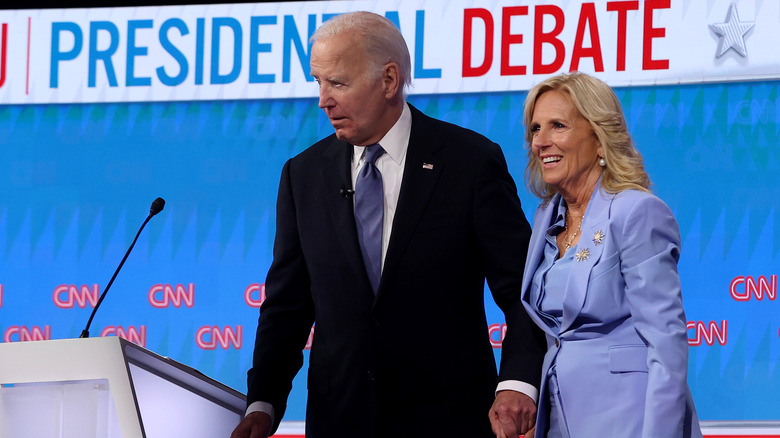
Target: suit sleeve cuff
[516,385]
[260,406]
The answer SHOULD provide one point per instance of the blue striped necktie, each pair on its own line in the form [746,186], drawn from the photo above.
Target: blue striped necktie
[369,213]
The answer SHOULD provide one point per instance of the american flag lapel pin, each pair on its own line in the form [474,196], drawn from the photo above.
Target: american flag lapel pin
[427,166]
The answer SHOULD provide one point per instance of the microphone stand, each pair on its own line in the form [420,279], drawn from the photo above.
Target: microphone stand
[157,206]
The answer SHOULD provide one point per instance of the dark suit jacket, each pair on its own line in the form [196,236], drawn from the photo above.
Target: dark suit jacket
[416,359]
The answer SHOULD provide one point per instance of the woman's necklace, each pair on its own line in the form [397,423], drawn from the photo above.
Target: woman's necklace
[571,237]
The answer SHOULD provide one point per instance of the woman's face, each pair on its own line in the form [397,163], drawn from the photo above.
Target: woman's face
[564,143]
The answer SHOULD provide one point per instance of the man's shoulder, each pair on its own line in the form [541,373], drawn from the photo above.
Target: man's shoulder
[443,127]
[429,129]
[317,149]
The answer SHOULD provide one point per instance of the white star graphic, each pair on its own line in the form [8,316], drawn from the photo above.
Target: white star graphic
[732,33]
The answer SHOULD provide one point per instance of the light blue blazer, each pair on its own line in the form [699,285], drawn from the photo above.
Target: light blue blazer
[621,355]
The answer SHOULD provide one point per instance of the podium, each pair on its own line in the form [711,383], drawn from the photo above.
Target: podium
[108,387]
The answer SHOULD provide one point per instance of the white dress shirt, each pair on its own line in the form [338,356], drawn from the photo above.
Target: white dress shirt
[391,166]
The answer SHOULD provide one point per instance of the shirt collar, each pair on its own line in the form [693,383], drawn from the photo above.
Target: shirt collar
[395,142]
[559,218]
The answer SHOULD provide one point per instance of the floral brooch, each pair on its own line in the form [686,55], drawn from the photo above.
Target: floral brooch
[598,238]
[582,255]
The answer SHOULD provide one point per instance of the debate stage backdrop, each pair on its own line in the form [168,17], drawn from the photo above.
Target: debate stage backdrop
[103,110]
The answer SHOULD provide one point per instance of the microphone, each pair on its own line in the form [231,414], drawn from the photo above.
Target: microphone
[157,206]
[346,193]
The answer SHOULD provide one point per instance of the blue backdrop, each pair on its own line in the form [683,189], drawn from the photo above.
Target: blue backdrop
[76,182]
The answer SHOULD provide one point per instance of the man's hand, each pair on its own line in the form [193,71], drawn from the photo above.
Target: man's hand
[513,413]
[254,425]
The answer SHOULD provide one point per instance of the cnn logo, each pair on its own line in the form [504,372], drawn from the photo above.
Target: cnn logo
[20,333]
[707,332]
[165,295]
[496,333]
[136,335]
[743,287]
[254,294]
[209,337]
[67,296]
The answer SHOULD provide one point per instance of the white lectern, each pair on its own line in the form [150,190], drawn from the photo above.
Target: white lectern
[108,387]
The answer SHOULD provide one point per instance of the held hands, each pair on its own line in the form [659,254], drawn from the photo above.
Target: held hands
[513,413]
[254,425]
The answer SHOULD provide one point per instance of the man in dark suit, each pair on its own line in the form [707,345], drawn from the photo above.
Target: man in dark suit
[400,346]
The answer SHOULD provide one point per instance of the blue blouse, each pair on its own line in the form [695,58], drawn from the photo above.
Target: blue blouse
[548,286]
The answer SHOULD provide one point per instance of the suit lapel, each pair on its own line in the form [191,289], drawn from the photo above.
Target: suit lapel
[590,250]
[335,175]
[421,173]
[542,220]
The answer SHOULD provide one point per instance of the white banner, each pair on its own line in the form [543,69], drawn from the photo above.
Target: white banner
[257,51]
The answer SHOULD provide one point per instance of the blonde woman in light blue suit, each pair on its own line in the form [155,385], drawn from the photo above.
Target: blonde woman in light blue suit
[601,275]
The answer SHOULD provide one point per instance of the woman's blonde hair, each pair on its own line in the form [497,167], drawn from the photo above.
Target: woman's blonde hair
[599,105]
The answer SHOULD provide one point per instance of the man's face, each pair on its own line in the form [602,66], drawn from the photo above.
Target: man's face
[354,98]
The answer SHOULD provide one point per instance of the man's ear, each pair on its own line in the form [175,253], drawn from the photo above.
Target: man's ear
[391,79]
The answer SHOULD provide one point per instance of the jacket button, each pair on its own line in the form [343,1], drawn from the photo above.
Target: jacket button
[557,344]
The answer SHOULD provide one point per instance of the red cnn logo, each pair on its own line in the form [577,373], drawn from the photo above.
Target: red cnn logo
[309,341]
[251,289]
[132,334]
[20,333]
[756,288]
[66,296]
[708,332]
[496,331]
[163,295]
[209,336]
[3,53]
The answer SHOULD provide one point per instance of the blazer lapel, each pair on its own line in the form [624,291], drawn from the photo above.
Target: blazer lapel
[588,251]
[542,220]
[335,176]
[421,172]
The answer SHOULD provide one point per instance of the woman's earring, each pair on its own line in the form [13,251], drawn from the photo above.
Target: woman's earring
[602,162]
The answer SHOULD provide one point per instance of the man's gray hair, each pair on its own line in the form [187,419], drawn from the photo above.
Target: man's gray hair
[381,40]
